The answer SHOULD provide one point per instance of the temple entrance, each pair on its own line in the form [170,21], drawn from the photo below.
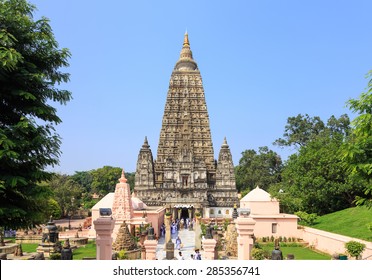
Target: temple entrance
[184,213]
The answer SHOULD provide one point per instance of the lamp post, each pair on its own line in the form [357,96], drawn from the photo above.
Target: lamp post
[71,212]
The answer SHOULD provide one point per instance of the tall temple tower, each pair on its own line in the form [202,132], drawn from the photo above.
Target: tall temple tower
[185,174]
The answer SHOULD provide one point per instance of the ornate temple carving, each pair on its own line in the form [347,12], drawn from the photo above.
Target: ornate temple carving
[122,205]
[185,171]
[145,167]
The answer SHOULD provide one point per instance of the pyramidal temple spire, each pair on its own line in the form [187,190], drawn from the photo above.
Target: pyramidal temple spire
[185,170]
[186,61]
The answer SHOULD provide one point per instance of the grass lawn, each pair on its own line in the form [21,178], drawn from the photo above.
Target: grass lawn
[350,222]
[88,251]
[29,247]
[300,252]
[26,247]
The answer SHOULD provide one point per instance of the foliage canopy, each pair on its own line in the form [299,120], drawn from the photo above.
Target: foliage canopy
[30,63]
[315,179]
[357,151]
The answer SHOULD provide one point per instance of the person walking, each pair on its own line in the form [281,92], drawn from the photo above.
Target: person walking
[178,243]
[197,255]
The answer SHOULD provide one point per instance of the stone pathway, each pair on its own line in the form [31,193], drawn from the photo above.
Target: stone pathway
[188,240]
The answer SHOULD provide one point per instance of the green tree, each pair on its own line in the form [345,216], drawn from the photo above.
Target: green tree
[357,151]
[314,179]
[105,179]
[84,179]
[54,209]
[258,169]
[30,62]
[300,130]
[67,193]
[130,177]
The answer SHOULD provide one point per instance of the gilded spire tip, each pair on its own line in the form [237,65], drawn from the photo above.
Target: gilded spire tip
[186,39]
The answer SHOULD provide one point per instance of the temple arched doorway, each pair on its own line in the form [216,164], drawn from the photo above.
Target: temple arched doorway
[185,213]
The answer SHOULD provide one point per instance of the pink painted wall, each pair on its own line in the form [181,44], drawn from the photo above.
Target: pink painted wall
[285,226]
[156,218]
[261,207]
[331,243]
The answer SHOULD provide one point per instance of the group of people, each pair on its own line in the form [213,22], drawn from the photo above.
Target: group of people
[178,224]
[196,256]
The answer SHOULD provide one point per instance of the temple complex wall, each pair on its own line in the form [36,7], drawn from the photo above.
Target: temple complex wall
[331,243]
[275,225]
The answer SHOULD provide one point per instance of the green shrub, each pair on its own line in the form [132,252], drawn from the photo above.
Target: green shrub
[257,245]
[306,219]
[354,248]
[369,226]
[290,244]
[226,224]
[258,254]
[203,228]
[55,256]
[122,255]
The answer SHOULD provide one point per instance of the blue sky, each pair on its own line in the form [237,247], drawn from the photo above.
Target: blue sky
[261,62]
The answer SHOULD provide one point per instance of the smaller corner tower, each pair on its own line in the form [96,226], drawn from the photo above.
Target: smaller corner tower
[144,178]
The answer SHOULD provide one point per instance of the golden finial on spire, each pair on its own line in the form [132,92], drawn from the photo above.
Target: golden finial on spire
[186,61]
[186,39]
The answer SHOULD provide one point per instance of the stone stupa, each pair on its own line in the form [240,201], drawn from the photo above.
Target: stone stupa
[124,240]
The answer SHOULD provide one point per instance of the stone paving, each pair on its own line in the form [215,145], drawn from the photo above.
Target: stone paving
[188,240]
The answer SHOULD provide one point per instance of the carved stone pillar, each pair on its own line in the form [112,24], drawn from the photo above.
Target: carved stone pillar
[150,247]
[209,246]
[244,228]
[167,228]
[198,232]
[169,248]
[104,227]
